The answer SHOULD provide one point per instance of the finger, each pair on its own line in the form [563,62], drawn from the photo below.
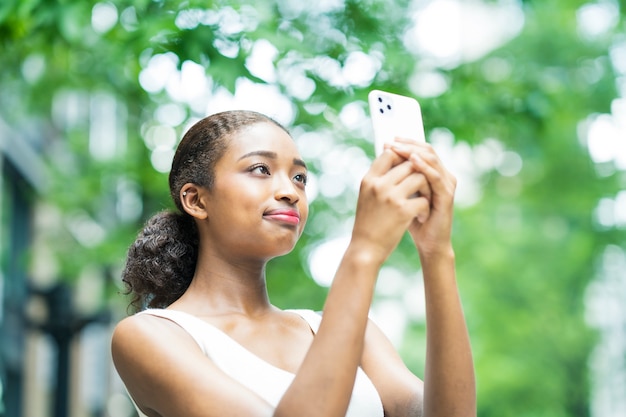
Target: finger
[405,147]
[400,172]
[383,163]
[425,156]
[441,181]
[415,185]
[409,142]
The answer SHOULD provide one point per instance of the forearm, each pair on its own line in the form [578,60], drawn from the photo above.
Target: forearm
[449,382]
[325,379]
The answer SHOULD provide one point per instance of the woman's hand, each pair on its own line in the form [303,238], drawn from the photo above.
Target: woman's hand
[432,235]
[388,203]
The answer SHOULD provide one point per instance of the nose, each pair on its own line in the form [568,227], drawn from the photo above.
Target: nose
[285,189]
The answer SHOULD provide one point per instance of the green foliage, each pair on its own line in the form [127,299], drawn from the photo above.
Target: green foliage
[526,249]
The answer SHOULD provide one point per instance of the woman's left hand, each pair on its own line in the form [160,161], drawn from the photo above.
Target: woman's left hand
[433,234]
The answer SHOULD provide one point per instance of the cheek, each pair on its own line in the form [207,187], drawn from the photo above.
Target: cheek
[237,200]
[247,192]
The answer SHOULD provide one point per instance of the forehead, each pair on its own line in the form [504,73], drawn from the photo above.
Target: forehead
[262,137]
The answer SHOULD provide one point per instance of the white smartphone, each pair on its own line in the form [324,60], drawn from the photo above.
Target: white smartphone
[394,116]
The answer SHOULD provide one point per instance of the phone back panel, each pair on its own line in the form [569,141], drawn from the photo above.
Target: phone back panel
[394,116]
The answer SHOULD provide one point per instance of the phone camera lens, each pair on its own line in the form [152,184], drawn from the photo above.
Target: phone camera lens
[380,99]
[388,106]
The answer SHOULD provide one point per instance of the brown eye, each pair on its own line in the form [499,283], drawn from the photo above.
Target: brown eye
[261,169]
[301,178]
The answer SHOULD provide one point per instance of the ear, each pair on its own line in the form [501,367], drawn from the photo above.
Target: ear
[192,199]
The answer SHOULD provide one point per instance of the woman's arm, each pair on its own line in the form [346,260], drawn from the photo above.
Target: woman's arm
[326,377]
[449,372]
[449,382]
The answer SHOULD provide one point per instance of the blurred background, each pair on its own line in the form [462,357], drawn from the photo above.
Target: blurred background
[524,100]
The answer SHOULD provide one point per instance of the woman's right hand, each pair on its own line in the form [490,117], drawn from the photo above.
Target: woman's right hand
[391,196]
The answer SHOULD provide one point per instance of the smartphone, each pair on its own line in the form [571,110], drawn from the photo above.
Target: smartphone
[393,116]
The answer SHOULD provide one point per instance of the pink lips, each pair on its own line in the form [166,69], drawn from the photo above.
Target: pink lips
[286,216]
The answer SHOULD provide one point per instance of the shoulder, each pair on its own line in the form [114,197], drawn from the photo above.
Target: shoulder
[138,325]
[142,334]
[145,348]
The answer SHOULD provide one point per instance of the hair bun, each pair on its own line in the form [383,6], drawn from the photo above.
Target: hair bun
[162,260]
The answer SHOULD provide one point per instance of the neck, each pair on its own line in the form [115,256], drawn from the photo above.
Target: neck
[221,286]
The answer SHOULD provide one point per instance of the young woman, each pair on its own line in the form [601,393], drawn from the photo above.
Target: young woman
[212,344]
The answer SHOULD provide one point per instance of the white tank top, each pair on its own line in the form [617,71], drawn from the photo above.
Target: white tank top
[268,381]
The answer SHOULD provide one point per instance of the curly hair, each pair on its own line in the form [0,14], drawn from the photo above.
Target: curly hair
[161,262]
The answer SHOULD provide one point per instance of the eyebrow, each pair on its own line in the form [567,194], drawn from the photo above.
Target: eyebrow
[271,155]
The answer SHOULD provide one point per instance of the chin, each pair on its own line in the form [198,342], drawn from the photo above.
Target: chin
[286,249]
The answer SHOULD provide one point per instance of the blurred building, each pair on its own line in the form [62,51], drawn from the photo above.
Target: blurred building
[22,174]
[54,361]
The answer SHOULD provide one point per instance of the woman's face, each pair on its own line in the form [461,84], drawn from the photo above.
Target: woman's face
[257,206]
